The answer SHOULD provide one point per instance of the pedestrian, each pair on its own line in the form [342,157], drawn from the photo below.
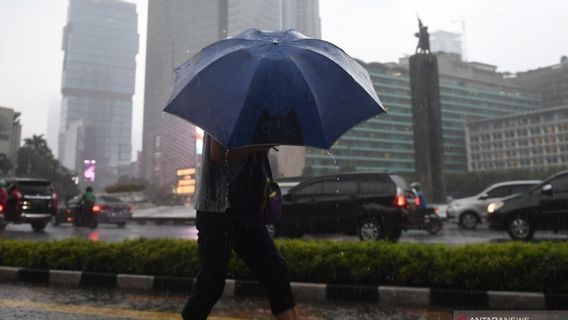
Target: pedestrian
[422,203]
[226,197]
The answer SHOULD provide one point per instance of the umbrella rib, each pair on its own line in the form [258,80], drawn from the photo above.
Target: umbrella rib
[340,67]
[314,97]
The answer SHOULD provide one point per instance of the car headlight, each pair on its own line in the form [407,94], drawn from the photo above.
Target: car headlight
[494,206]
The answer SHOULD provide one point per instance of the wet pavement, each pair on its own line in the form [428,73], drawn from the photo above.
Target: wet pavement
[28,301]
[450,234]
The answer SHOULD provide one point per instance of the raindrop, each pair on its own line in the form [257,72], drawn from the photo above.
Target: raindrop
[337,179]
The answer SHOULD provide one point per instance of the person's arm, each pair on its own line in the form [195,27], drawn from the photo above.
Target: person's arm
[217,151]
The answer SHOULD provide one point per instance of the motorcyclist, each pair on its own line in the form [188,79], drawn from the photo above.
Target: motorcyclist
[422,203]
[87,202]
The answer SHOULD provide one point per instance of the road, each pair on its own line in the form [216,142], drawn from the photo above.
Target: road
[450,234]
[32,302]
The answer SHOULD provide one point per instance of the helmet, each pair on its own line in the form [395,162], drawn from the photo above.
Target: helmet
[89,189]
[415,185]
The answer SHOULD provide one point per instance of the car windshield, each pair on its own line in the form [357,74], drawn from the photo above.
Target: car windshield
[369,159]
[35,187]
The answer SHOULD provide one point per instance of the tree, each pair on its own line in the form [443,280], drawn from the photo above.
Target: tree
[35,160]
[127,185]
[5,165]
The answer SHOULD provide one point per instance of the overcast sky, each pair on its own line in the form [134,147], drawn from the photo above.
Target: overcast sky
[515,35]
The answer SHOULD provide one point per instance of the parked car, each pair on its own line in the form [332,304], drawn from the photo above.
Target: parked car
[30,201]
[107,209]
[288,183]
[543,207]
[471,211]
[370,205]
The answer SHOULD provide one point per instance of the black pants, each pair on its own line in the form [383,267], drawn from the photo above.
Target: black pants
[219,233]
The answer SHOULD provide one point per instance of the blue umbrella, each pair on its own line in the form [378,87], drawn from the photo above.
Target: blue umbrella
[276,88]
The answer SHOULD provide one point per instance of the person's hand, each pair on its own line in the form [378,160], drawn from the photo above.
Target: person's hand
[218,152]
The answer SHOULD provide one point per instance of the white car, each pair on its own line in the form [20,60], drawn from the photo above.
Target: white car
[471,211]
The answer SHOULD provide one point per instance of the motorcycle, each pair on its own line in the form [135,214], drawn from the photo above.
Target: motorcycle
[84,216]
[423,219]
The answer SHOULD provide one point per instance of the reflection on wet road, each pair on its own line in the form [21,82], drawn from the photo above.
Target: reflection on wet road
[32,302]
[450,234]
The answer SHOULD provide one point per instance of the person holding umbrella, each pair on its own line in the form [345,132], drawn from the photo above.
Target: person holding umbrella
[249,93]
[226,176]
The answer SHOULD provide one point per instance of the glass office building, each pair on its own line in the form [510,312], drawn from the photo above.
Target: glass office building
[100,42]
[468,91]
[178,29]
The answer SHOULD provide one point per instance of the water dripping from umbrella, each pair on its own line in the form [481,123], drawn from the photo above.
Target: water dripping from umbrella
[337,179]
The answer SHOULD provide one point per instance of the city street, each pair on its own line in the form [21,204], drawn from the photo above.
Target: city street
[450,234]
[28,301]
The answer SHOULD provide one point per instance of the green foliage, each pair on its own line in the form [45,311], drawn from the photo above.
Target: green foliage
[5,165]
[541,267]
[162,195]
[126,187]
[35,160]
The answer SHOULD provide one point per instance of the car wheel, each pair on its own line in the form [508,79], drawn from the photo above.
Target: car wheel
[434,225]
[520,228]
[469,220]
[121,224]
[38,226]
[369,229]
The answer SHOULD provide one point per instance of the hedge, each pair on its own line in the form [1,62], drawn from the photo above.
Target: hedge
[540,267]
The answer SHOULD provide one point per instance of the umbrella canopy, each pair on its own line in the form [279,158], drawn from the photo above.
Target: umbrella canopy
[276,88]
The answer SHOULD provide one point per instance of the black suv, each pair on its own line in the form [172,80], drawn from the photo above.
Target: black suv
[30,201]
[370,205]
[543,207]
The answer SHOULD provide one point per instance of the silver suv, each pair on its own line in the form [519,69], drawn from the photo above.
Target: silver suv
[471,211]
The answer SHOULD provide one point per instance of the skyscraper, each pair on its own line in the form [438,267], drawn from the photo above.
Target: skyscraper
[177,29]
[100,41]
[302,15]
[444,41]
[551,82]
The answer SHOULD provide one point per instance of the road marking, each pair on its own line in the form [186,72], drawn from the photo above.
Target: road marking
[96,311]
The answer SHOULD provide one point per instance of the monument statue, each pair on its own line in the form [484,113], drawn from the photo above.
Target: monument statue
[427,119]
[423,38]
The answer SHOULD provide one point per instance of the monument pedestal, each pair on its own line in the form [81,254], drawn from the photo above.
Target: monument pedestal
[427,121]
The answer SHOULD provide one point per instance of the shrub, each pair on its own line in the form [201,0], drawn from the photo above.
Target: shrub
[539,267]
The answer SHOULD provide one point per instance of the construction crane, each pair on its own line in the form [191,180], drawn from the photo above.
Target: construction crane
[463,31]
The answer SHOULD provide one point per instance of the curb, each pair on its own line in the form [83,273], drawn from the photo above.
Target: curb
[387,296]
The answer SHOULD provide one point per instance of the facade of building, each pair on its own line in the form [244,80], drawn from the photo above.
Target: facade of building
[178,29]
[468,91]
[302,15]
[551,82]
[471,91]
[444,41]
[533,140]
[10,134]
[100,42]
